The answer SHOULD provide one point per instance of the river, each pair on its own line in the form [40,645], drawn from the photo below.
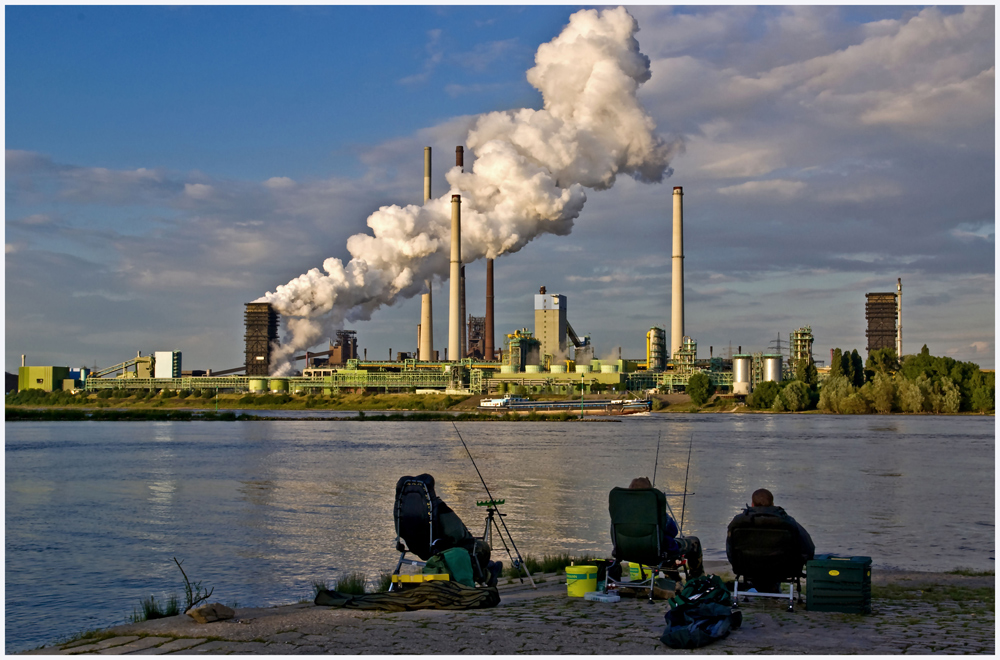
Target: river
[260,510]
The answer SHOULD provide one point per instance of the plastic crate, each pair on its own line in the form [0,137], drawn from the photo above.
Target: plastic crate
[839,584]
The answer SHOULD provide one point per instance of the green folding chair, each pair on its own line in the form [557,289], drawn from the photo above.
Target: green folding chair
[638,519]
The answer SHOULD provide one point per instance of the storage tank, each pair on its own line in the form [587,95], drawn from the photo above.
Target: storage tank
[279,385]
[583,368]
[741,374]
[558,368]
[258,385]
[772,367]
[507,369]
[609,368]
[532,369]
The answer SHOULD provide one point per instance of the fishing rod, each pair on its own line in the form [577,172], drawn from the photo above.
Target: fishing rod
[655,465]
[492,506]
[687,470]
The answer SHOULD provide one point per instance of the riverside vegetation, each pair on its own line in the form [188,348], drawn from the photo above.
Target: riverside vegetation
[921,383]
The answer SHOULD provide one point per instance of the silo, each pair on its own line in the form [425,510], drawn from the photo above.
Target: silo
[558,368]
[279,385]
[532,368]
[583,368]
[772,367]
[741,374]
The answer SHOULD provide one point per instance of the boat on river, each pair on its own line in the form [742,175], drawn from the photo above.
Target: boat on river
[587,406]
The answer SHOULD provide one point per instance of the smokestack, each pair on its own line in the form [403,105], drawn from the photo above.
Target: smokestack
[22,359]
[462,331]
[427,173]
[425,335]
[454,311]
[899,318]
[426,347]
[489,311]
[677,296]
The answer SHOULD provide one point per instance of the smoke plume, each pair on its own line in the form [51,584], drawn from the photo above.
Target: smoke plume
[530,171]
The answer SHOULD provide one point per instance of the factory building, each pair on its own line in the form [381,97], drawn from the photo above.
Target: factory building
[884,314]
[261,333]
[550,322]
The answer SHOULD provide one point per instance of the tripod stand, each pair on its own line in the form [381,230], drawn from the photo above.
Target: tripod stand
[492,511]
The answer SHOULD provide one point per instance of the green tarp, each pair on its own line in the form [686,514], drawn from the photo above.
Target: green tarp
[434,595]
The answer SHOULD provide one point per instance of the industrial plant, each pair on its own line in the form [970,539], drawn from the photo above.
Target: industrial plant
[551,357]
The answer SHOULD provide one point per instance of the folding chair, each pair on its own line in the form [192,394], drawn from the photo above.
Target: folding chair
[638,518]
[425,526]
[766,553]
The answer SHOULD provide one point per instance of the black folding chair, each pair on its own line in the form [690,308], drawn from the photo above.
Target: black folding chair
[766,550]
[425,526]
[638,518]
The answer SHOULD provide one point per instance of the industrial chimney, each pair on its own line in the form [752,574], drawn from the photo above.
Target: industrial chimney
[454,320]
[488,348]
[677,296]
[463,316]
[899,318]
[425,343]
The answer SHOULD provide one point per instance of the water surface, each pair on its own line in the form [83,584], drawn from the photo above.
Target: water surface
[261,510]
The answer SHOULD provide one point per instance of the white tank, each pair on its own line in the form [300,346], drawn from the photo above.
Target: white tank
[583,368]
[507,369]
[741,374]
[609,368]
[772,367]
[532,369]
[558,368]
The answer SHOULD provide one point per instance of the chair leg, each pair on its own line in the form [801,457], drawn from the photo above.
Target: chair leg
[399,564]
[736,592]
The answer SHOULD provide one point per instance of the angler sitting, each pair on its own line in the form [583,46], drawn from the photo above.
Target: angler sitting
[429,526]
[688,547]
[765,544]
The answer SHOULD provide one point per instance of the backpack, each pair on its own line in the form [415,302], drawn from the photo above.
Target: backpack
[700,613]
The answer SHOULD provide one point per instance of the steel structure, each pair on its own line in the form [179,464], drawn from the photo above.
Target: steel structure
[800,345]
[261,332]
[881,312]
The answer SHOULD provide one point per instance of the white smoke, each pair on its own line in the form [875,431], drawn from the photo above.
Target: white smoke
[528,179]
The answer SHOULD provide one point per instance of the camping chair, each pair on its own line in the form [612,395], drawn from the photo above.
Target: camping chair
[638,518]
[425,526]
[766,553]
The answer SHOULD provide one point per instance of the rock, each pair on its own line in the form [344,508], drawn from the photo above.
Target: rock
[211,612]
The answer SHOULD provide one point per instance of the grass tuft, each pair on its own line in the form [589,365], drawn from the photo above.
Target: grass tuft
[352,583]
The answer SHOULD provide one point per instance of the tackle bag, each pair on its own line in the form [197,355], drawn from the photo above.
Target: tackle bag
[455,561]
[700,613]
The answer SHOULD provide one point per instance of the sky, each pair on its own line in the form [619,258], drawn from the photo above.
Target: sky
[166,165]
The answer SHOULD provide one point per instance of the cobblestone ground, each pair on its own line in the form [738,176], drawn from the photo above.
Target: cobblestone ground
[545,621]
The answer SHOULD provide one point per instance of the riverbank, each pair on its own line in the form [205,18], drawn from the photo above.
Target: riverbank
[912,613]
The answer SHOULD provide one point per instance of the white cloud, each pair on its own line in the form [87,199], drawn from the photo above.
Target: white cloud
[775,187]
[279,183]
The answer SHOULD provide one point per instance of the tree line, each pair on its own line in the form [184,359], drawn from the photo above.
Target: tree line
[880,384]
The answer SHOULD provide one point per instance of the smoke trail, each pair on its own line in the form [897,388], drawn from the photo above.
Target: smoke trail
[528,179]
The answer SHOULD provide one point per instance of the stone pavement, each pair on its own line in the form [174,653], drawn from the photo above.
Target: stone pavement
[546,621]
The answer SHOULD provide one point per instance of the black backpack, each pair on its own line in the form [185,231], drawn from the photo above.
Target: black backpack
[700,613]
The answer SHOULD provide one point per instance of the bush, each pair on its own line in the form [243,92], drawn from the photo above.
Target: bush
[105,394]
[763,395]
[700,388]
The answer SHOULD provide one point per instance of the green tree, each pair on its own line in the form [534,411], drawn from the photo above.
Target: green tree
[836,364]
[834,390]
[882,361]
[911,399]
[795,395]
[501,388]
[854,404]
[857,369]
[700,388]
[950,397]
[883,393]
[763,395]
[521,391]
[984,392]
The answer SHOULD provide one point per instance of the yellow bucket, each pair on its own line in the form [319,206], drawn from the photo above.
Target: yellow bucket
[580,580]
[639,572]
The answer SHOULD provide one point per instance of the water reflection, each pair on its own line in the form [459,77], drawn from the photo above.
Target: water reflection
[260,510]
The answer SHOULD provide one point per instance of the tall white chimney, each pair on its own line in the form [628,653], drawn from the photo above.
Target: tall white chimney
[899,318]
[425,344]
[454,305]
[463,330]
[677,295]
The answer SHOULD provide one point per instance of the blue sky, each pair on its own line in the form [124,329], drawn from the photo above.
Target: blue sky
[826,152]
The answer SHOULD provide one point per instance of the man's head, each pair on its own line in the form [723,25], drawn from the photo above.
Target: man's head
[762,497]
[640,482]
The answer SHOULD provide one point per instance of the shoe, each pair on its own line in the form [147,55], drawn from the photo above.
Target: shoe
[496,570]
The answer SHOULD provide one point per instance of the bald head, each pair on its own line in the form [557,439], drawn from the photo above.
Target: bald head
[762,497]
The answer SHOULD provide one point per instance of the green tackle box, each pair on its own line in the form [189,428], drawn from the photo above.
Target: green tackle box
[839,584]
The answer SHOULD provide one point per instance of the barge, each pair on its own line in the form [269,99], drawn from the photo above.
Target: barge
[587,406]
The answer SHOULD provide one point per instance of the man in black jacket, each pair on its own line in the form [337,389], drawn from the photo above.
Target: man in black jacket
[763,505]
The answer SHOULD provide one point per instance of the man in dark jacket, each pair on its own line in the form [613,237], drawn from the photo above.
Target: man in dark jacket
[763,505]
